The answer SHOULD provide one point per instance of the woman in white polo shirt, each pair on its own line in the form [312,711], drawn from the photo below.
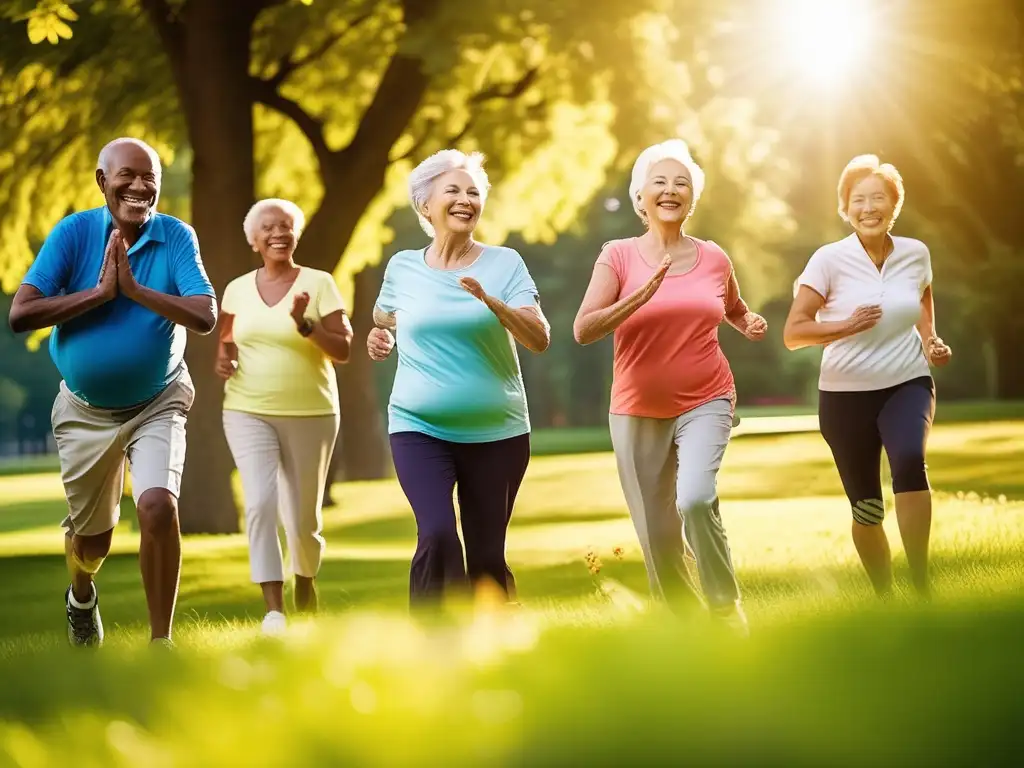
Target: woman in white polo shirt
[868,300]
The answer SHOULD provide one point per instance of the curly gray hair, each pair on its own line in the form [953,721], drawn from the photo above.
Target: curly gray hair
[252,218]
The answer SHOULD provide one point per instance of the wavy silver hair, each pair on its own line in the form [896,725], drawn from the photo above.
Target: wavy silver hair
[423,176]
[252,218]
[673,149]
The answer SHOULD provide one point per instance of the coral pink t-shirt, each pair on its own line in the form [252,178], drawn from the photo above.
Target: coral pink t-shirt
[667,357]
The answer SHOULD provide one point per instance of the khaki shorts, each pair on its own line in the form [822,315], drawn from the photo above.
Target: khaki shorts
[93,444]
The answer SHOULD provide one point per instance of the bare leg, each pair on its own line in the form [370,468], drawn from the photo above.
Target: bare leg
[160,557]
[84,556]
[914,515]
[306,599]
[873,548]
[273,595]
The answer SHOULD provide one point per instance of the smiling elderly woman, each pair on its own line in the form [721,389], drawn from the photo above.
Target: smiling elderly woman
[868,299]
[457,415]
[664,294]
[281,327]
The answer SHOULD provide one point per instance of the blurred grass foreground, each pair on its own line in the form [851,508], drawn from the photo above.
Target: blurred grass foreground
[586,674]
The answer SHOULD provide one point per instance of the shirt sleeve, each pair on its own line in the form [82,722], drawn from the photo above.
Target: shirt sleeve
[816,275]
[520,291]
[387,299]
[611,256]
[229,301]
[328,298]
[189,273]
[51,270]
[926,277]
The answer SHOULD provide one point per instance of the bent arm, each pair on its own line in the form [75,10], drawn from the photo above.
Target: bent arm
[737,309]
[803,329]
[197,313]
[527,324]
[31,310]
[926,323]
[383,319]
[333,335]
[600,313]
[226,348]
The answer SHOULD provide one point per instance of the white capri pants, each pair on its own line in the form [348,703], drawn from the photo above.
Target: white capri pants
[283,463]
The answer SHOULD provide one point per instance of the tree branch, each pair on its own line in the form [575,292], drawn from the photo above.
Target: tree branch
[312,127]
[288,64]
[506,91]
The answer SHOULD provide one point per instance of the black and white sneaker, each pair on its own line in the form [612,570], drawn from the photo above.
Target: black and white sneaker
[84,624]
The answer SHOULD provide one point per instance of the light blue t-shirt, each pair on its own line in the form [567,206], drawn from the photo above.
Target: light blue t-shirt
[119,354]
[458,376]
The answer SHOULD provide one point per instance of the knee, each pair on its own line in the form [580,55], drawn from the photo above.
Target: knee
[697,503]
[443,539]
[158,512]
[909,471]
[869,511]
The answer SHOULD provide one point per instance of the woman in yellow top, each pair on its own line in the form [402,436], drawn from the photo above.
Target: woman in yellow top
[281,326]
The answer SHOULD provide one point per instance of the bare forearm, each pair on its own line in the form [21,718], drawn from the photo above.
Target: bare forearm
[808,333]
[197,313]
[337,346]
[926,323]
[35,312]
[737,317]
[528,327]
[595,325]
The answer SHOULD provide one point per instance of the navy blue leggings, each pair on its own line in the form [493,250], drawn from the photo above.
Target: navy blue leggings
[488,476]
[857,425]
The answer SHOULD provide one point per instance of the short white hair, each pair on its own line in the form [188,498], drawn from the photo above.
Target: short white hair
[859,169]
[673,149]
[423,176]
[252,218]
[103,160]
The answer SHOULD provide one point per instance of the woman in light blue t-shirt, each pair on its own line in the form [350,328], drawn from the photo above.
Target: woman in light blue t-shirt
[457,417]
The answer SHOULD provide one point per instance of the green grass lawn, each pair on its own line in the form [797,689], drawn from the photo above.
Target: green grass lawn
[587,673]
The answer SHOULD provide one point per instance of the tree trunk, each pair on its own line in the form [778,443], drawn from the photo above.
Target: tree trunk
[214,62]
[364,449]
[1009,365]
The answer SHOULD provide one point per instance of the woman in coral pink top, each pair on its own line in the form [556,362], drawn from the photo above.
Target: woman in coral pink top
[664,294]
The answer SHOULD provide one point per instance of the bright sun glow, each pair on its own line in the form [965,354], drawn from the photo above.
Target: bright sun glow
[822,38]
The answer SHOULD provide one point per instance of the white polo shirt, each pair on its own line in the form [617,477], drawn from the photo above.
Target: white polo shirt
[892,352]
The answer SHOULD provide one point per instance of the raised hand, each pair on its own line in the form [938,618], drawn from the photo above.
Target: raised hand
[863,318]
[937,351]
[473,287]
[107,282]
[756,326]
[125,279]
[379,343]
[299,305]
[652,285]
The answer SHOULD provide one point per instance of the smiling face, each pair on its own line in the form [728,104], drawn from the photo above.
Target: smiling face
[667,195]
[454,204]
[275,237]
[130,182]
[870,207]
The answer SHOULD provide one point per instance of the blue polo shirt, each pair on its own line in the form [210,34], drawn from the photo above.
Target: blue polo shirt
[119,354]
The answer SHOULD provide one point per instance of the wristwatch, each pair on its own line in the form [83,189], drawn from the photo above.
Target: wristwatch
[306,328]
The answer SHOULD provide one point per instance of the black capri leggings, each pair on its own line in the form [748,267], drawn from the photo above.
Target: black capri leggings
[857,425]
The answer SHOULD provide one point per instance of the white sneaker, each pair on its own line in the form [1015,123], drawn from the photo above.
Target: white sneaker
[274,623]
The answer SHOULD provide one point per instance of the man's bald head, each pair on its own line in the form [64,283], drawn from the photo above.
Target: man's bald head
[128,173]
[109,154]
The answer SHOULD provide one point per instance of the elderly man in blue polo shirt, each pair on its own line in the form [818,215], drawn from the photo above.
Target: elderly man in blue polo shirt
[120,285]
